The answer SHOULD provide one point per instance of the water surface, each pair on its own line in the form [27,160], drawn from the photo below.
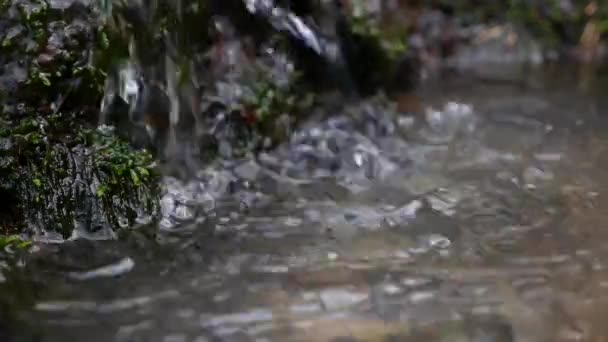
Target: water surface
[481,220]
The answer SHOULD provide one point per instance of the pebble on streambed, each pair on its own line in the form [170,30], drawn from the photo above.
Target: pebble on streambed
[124,266]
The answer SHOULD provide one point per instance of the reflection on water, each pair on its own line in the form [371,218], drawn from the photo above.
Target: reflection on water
[482,220]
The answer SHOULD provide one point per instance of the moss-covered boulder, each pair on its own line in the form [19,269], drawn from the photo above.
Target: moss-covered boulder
[58,173]
[90,183]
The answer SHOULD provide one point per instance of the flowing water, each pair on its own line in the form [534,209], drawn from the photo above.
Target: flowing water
[482,220]
[479,218]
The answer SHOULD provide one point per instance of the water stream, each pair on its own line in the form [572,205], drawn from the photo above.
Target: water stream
[478,218]
[481,220]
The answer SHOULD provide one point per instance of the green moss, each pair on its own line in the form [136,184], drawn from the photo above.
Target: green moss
[542,26]
[185,28]
[374,54]
[55,168]
[545,19]
[392,41]
[43,169]
[269,100]
[271,109]
[14,242]
[122,172]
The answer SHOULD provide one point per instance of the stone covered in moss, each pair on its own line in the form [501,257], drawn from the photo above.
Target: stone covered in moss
[47,58]
[92,181]
[57,172]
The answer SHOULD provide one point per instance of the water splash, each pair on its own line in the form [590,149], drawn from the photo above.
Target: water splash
[171,84]
[283,20]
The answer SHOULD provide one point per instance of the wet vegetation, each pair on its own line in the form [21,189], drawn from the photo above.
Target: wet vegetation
[58,171]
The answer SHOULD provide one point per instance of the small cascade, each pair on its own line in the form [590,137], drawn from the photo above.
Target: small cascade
[186,59]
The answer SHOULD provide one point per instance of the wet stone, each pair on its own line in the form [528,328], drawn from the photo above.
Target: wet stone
[391,289]
[332,256]
[421,183]
[306,309]
[183,213]
[418,297]
[533,175]
[248,170]
[293,221]
[272,269]
[339,299]
[175,338]
[413,281]
[490,331]
[437,241]
[125,332]
[253,316]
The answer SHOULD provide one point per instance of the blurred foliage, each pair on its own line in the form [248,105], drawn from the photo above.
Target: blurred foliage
[154,28]
[268,100]
[272,110]
[554,22]
[14,242]
[392,41]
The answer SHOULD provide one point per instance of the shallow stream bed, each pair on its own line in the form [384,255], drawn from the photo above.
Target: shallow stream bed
[483,220]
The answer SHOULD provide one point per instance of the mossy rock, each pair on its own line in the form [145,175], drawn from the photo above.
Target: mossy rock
[92,182]
[58,173]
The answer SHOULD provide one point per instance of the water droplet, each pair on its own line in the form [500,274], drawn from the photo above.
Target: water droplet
[391,289]
[438,241]
[421,296]
[293,221]
[402,255]
[415,281]
[338,299]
